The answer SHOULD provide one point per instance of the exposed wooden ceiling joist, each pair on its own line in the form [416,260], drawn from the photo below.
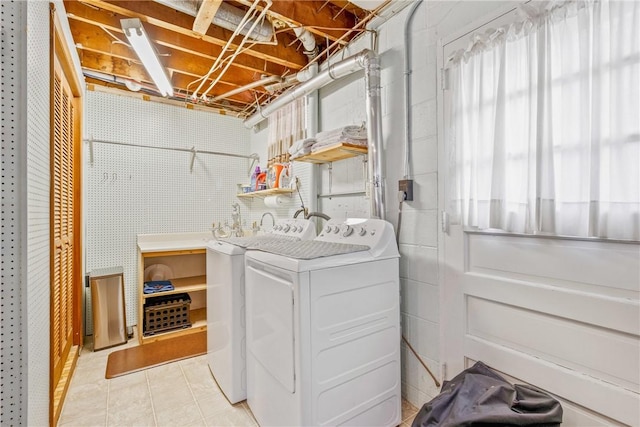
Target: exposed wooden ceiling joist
[310,14]
[207,11]
[164,17]
[80,13]
[188,55]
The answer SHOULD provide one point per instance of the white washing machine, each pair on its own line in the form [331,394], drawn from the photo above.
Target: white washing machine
[323,328]
[226,303]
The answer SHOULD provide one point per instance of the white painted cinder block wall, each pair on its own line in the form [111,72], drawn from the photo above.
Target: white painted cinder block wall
[343,103]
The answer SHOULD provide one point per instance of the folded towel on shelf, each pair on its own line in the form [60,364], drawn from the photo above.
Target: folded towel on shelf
[354,132]
[301,145]
[351,132]
[356,135]
[157,286]
[301,152]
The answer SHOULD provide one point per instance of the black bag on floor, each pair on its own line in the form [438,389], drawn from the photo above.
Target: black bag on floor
[480,397]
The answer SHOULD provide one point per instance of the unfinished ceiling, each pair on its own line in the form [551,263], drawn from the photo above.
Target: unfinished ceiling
[231,55]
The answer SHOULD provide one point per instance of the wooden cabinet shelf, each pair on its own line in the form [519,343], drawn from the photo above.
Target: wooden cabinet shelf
[186,269]
[182,285]
[332,153]
[265,193]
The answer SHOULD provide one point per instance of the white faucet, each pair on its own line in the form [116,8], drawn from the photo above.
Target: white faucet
[237,221]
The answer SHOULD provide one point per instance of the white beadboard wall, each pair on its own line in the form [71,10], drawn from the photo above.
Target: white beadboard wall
[134,190]
[343,103]
[38,203]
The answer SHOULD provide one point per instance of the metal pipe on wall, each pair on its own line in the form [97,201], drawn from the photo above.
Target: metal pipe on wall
[407,89]
[367,60]
[333,72]
[312,129]
[374,135]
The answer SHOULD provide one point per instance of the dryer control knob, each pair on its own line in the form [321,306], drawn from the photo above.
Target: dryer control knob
[287,228]
[294,229]
[347,230]
[362,231]
[336,229]
[327,229]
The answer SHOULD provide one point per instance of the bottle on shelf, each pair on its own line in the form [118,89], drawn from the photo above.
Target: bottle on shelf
[254,178]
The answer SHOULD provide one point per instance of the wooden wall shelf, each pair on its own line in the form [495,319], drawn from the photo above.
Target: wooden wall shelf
[332,153]
[265,193]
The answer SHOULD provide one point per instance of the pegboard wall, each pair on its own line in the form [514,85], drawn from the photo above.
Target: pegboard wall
[135,190]
[13,49]
[38,208]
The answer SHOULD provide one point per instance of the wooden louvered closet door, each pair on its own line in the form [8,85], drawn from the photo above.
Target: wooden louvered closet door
[62,221]
[66,284]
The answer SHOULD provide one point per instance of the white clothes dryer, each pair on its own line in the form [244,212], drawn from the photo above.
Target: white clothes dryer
[323,328]
[226,352]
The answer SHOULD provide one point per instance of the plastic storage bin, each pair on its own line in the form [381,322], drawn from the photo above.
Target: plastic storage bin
[166,312]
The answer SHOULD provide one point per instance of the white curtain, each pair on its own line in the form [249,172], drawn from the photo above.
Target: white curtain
[545,123]
[286,126]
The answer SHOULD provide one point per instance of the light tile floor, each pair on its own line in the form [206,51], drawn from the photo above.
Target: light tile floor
[181,393]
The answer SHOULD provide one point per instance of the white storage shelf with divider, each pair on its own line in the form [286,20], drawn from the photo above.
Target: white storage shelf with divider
[181,259]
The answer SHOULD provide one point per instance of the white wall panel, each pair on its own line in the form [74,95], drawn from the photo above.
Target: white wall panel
[38,201]
[134,190]
[13,183]
[607,354]
[598,267]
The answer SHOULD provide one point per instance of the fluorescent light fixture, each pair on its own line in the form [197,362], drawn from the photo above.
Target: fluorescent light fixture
[138,39]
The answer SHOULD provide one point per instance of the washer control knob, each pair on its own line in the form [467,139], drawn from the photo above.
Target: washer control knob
[362,231]
[347,230]
[327,229]
[287,228]
[336,229]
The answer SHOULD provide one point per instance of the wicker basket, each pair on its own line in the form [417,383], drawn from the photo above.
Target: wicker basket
[164,313]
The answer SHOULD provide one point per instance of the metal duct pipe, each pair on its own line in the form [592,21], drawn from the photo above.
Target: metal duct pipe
[308,41]
[227,17]
[333,72]
[261,82]
[367,60]
[374,135]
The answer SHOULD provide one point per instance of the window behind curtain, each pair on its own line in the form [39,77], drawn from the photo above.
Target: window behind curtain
[545,122]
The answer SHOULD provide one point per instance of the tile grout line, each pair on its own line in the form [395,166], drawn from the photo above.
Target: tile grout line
[106,415]
[192,393]
[153,408]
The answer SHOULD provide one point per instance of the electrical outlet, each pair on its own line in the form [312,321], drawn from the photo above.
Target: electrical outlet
[406,186]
